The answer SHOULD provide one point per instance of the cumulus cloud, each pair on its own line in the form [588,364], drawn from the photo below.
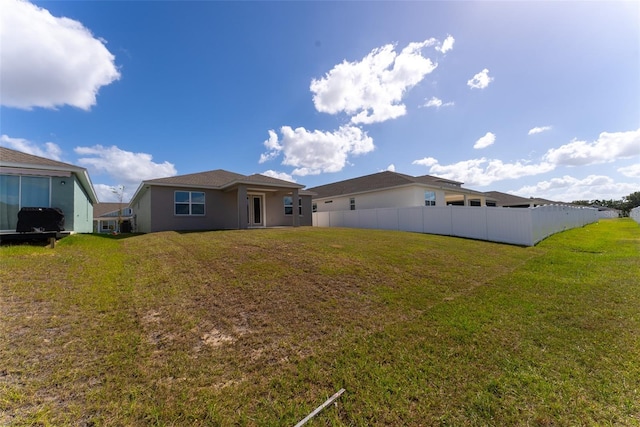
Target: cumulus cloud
[446,45]
[607,148]
[279,175]
[371,90]
[391,168]
[539,129]
[485,141]
[314,152]
[124,167]
[437,103]
[480,80]
[46,61]
[49,151]
[632,171]
[427,161]
[483,171]
[568,188]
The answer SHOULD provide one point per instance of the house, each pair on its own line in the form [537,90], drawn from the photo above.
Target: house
[505,200]
[112,218]
[391,189]
[217,200]
[28,181]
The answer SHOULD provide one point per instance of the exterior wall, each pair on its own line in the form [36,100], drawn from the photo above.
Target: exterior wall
[142,209]
[275,216]
[515,226]
[392,198]
[74,203]
[220,211]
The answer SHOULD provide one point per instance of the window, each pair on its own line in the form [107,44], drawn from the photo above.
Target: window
[314,207]
[188,203]
[352,203]
[288,205]
[17,192]
[429,198]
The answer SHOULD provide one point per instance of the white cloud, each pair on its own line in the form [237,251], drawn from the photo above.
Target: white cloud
[49,151]
[391,168]
[124,167]
[46,61]
[607,148]
[427,161]
[437,103]
[483,171]
[568,189]
[446,45]
[371,90]
[485,141]
[314,152]
[110,193]
[480,80]
[279,175]
[632,171]
[539,129]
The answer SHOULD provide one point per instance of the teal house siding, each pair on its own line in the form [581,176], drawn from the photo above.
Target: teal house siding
[70,189]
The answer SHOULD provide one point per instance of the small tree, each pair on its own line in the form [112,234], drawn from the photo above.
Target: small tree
[119,192]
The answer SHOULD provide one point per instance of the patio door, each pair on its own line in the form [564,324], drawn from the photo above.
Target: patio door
[255,214]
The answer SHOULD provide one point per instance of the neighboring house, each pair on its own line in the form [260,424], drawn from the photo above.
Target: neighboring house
[605,212]
[112,218]
[391,189]
[28,181]
[505,200]
[217,200]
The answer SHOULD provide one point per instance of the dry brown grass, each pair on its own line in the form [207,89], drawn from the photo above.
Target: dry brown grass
[259,327]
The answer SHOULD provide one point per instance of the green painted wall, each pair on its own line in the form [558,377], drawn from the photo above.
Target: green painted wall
[74,202]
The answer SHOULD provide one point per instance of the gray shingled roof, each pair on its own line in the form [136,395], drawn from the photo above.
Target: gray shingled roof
[12,157]
[507,199]
[18,159]
[220,178]
[378,181]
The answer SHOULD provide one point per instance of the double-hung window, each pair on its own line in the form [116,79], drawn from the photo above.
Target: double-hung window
[188,203]
[352,203]
[288,205]
[429,198]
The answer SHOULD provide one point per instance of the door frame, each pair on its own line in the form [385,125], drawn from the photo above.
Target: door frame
[251,213]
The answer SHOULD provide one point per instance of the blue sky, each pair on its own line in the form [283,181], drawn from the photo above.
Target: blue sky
[533,98]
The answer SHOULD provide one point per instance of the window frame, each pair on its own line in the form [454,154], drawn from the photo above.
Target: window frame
[189,203]
[289,206]
[429,201]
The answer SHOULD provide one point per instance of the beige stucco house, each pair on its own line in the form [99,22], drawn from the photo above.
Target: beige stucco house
[218,200]
[393,190]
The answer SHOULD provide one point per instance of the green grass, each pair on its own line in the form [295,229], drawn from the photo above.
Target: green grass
[259,327]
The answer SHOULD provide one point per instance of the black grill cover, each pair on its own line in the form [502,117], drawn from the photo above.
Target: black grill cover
[40,219]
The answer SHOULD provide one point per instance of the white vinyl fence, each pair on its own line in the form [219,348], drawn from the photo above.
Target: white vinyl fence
[518,226]
[635,214]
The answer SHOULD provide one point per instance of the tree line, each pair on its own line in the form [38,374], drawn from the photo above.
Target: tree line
[624,205]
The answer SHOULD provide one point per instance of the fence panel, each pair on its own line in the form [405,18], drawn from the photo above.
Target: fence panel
[526,226]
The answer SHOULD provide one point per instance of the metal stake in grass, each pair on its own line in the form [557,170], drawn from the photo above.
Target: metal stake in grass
[320,408]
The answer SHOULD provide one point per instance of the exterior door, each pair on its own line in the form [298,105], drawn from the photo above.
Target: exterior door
[255,214]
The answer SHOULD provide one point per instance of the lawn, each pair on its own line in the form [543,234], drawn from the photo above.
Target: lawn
[259,327]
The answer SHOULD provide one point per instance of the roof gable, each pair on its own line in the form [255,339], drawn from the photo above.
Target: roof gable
[221,179]
[16,159]
[9,157]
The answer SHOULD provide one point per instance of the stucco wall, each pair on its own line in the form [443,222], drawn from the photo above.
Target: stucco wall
[142,212]
[74,203]
[220,211]
[392,198]
[275,216]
